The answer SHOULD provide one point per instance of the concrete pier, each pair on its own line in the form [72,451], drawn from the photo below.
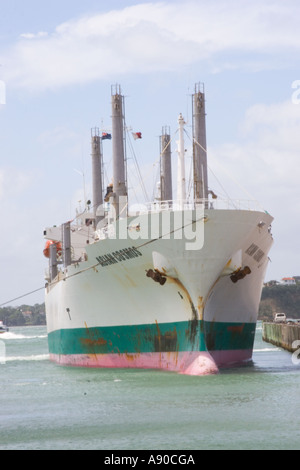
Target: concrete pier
[282,334]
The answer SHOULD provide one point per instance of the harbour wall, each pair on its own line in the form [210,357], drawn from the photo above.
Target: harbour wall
[282,334]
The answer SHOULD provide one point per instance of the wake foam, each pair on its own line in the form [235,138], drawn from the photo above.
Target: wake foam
[10,335]
[38,357]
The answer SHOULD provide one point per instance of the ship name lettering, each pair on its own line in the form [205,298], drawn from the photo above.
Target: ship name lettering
[118,256]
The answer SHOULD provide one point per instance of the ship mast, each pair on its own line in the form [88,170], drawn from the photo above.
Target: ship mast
[181,186]
[200,151]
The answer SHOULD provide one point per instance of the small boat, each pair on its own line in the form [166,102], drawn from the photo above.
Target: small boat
[3,328]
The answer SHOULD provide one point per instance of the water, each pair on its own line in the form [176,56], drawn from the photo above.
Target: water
[45,406]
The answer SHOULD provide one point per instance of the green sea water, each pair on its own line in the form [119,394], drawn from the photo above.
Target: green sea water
[46,406]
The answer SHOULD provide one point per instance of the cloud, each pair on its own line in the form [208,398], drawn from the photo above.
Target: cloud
[264,166]
[23,217]
[267,156]
[33,36]
[151,37]
[57,136]
[14,182]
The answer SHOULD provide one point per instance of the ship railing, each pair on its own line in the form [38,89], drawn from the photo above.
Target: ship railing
[217,204]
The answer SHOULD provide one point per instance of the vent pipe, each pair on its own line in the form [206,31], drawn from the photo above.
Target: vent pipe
[118,151]
[181,184]
[97,175]
[53,261]
[66,244]
[165,166]
[200,150]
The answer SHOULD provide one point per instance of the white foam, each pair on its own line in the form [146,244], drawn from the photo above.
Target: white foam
[38,357]
[10,335]
[266,350]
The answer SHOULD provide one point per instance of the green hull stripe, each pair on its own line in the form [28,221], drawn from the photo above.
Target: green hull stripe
[229,336]
[165,337]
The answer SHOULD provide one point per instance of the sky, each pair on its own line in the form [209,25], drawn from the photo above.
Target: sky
[58,61]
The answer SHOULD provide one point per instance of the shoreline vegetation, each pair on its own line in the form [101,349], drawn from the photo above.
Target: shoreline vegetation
[24,315]
[274,299]
[280,298]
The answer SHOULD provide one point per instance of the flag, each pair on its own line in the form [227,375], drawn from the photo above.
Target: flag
[105,136]
[137,135]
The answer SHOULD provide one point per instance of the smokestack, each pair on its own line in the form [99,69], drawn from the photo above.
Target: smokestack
[97,173]
[53,261]
[200,153]
[165,166]
[181,184]
[119,168]
[66,244]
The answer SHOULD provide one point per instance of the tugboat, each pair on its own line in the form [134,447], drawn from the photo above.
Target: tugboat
[3,328]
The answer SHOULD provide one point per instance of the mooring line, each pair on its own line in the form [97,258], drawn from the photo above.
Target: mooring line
[21,296]
[95,265]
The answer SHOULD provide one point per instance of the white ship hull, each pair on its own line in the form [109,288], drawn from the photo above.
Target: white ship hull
[175,287]
[108,311]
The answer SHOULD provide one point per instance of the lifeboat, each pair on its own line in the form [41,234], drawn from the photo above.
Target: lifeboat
[47,248]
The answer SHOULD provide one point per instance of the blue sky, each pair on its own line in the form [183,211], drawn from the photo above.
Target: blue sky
[58,62]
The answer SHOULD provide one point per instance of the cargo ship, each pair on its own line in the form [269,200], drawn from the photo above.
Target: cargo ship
[173,284]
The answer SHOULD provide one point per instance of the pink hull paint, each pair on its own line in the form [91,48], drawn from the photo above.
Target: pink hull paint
[188,363]
[229,357]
